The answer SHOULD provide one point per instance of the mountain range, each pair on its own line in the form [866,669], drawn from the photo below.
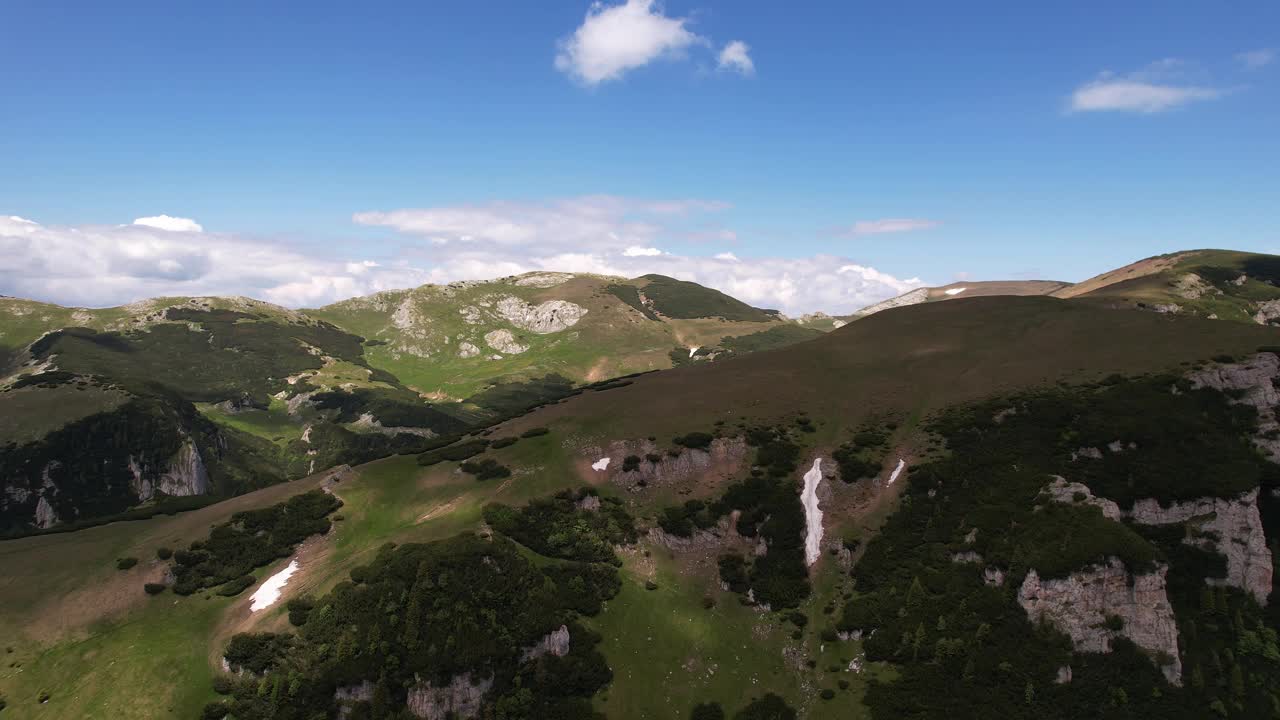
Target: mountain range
[563,495]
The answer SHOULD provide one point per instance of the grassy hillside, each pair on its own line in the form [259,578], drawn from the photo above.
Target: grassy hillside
[1220,284]
[673,631]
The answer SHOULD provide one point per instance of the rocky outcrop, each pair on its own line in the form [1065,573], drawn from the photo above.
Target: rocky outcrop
[1250,380]
[1081,604]
[1268,312]
[368,423]
[504,341]
[460,699]
[914,297]
[467,350]
[555,643]
[186,474]
[1070,493]
[543,279]
[45,515]
[347,695]
[666,469]
[548,317]
[1191,286]
[1231,527]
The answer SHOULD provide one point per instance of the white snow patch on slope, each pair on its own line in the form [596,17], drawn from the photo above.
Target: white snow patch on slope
[267,595]
[601,464]
[693,350]
[812,514]
[897,471]
[955,291]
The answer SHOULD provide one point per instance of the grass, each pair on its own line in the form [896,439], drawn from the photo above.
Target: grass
[30,413]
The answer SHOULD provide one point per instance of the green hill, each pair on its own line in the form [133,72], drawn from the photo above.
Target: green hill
[674,575]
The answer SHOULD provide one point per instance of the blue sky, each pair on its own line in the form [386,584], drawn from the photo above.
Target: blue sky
[435,141]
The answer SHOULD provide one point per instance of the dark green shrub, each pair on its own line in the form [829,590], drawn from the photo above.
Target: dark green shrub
[769,707]
[164,553]
[125,563]
[237,586]
[154,588]
[299,610]
[707,711]
[486,469]
[534,432]
[695,440]
[504,442]
[631,463]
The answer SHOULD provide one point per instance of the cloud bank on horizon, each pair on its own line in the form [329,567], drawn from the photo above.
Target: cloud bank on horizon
[103,265]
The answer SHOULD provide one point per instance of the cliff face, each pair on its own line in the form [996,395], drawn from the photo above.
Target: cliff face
[1231,527]
[1080,605]
[460,699]
[1251,380]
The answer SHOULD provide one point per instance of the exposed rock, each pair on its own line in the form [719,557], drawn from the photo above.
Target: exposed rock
[470,315]
[467,350]
[667,469]
[1167,308]
[590,503]
[460,699]
[1064,675]
[186,475]
[1191,286]
[968,556]
[368,423]
[1067,493]
[971,537]
[348,695]
[914,297]
[1252,377]
[548,317]
[543,279]
[1080,604]
[504,341]
[1240,280]
[1268,312]
[45,515]
[993,576]
[1232,527]
[555,643]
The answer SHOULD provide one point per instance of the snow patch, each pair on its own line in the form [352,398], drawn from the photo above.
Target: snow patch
[812,513]
[902,464]
[693,350]
[955,291]
[601,464]
[267,595]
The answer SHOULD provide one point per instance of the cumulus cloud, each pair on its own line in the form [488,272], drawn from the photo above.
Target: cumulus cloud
[1254,59]
[1160,86]
[99,265]
[637,251]
[601,221]
[890,225]
[175,224]
[614,39]
[735,57]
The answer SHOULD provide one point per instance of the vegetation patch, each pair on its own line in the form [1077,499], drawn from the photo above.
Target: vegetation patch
[250,540]
[682,299]
[565,525]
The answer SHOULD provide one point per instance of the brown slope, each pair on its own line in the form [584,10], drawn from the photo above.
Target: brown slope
[908,360]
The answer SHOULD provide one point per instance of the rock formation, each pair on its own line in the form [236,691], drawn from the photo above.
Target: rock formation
[1081,604]
[548,317]
[460,699]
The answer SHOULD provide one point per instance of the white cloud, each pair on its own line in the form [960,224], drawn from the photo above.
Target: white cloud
[1162,85]
[598,221]
[1255,59]
[735,57]
[174,224]
[891,225]
[637,251]
[614,39]
[98,265]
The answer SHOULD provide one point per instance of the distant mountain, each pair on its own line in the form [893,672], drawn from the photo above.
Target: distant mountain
[172,402]
[1213,284]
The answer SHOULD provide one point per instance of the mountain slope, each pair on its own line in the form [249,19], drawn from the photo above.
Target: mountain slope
[453,340]
[178,401]
[967,289]
[1222,284]
[948,419]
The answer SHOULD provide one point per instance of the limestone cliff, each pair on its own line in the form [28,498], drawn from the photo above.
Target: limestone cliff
[460,699]
[1081,603]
